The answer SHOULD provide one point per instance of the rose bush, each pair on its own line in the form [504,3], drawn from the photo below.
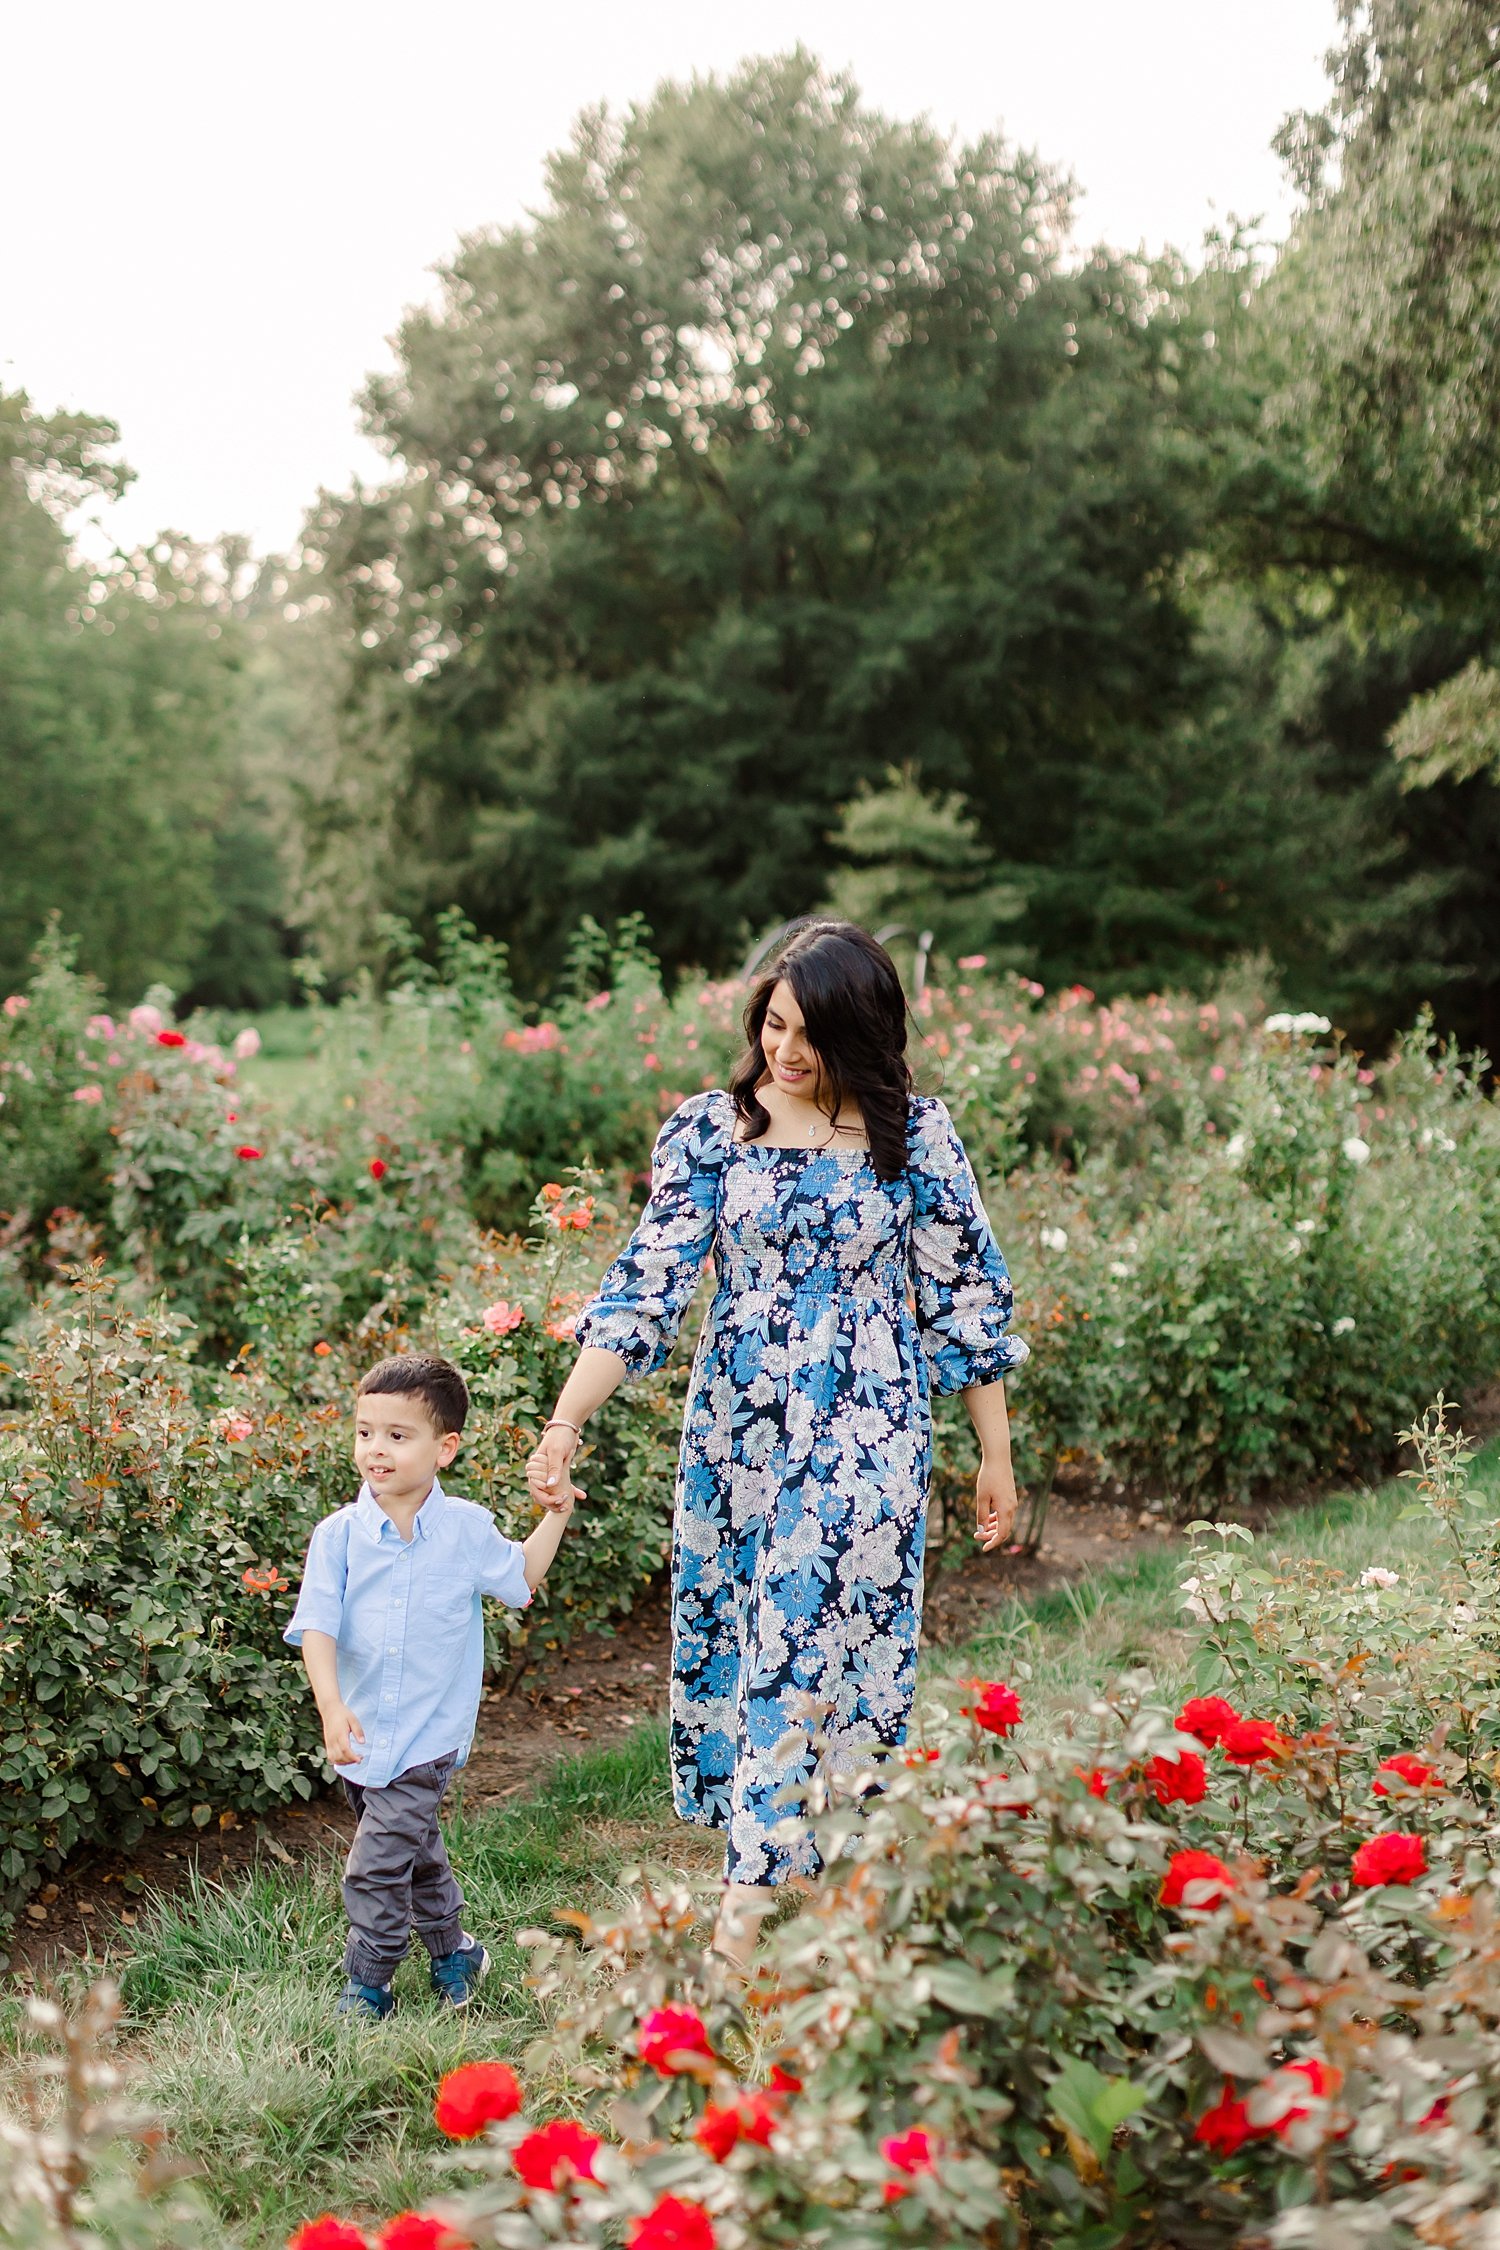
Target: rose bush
[154,1512]
[1034,1998]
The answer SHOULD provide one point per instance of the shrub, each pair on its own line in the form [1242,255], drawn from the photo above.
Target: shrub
[141,1678]
[1034,1999]
[156,1512]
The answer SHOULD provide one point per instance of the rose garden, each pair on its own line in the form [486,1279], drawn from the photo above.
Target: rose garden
[1174,1922]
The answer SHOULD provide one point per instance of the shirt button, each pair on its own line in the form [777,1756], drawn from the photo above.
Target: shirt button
[390,1651]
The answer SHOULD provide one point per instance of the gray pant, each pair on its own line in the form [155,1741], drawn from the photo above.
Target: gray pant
[398,1877]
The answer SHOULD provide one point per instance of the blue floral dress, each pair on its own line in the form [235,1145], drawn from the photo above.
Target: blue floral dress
[842,1299]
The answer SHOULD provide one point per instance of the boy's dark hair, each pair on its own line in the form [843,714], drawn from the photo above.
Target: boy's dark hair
[421,1375]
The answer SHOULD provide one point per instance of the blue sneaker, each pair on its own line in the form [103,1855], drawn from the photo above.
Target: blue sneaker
[455,1976]
[374,2002]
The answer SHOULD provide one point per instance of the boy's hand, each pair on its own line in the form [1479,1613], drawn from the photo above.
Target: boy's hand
[341,1730]
[547,1471]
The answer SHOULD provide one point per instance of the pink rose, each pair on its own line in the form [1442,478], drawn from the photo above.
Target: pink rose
[88,1093]
[500,1318]
[247,1043]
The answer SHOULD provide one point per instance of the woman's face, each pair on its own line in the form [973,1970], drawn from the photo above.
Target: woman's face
[784,1043]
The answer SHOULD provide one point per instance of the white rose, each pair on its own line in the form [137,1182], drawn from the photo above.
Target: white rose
[1120,1270]
[1343,1324]
[1357,1151]
[1375,1576]
[1235,1147]
[1053,1238]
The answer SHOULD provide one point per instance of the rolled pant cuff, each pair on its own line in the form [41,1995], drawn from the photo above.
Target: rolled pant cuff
[447,1939]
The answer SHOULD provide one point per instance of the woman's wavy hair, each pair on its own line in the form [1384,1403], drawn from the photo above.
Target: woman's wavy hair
[855,1012]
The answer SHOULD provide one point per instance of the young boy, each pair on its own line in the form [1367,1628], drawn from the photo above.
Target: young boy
[389,1624]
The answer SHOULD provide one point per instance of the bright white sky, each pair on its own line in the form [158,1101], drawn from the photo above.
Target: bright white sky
[217,214]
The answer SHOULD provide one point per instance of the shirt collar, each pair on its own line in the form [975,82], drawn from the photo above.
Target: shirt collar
[377,1525]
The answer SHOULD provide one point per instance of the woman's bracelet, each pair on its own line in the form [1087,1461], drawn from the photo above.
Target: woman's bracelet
[561,1422]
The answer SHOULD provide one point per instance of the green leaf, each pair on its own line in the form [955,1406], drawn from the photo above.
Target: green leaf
[1093,2105]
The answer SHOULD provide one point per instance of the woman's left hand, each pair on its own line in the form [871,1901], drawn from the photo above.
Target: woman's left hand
[994,1504]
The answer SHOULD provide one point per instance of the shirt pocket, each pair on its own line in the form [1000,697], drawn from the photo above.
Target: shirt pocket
[448,1609]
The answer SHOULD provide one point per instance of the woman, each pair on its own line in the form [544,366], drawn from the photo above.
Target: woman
[832,1197]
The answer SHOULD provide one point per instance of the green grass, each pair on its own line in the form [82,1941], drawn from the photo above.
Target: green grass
[229,1994]
[230,1990]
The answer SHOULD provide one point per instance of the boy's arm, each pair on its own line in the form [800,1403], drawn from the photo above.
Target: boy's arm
[320,1655]
[542,1544]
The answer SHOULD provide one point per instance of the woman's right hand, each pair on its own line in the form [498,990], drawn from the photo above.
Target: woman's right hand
[548,1468]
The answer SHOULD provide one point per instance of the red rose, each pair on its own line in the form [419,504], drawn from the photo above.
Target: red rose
[1096,1779]
[1208,1878]
[419,2230]
[996,1707]
[1396,1857]
[782,2081]
[321,1351]
[1226,2127]
[910,2153]
[1320,2079]
[378,1167]
[179,1039]
[1180,1780]
[1249,1742]
[555,2154]
[248,1155]
[669,2035]
[749,2117]
[1414,1770]
[327,2233]
[673,2225]
[1205,1717]
[718,2129]
[473,2096]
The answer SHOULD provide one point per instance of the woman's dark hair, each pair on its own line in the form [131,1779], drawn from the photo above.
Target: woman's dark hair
[855,1012]
[441,1389]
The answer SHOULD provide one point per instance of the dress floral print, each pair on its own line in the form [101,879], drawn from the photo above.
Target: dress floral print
[802,1489]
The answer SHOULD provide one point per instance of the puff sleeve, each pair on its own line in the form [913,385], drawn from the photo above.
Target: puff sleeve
[962,1287]
[645,1293]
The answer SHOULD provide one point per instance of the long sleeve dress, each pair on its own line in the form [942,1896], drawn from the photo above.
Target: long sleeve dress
[842,1301]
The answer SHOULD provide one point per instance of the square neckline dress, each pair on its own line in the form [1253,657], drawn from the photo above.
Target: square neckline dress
[842,1302]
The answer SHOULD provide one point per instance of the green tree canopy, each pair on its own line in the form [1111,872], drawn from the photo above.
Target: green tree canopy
[124,814]
[781,447]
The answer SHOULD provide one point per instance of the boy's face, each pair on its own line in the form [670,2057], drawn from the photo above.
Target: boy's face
[398,1449]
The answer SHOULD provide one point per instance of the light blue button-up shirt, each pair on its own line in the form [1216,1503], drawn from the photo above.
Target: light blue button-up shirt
[406,1616]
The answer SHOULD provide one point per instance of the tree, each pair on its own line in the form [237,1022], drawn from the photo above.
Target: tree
[124,812]
[1368,506]
[781,446]
[915,858]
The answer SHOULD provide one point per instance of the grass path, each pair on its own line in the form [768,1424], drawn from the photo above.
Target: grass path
[229,1991]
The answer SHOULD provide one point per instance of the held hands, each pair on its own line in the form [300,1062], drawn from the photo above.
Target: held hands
[341,1730]
[547,1470]
[994,1505]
